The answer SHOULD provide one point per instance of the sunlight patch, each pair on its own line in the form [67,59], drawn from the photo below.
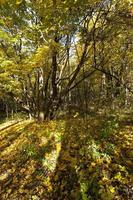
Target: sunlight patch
[50,159]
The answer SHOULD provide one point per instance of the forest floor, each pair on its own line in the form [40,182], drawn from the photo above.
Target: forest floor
[67,159]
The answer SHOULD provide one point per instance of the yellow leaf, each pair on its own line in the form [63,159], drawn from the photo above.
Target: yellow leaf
[18,2]
[111,188]
[93,164]
[118,176]
[58,147]
[105,179]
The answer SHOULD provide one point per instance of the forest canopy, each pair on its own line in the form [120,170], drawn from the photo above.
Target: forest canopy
[58,55]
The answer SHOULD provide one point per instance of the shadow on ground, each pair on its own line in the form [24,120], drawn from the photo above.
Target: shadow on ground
[66,161]
[65,181]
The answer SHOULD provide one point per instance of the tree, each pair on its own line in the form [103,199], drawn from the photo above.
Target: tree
[52,46]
